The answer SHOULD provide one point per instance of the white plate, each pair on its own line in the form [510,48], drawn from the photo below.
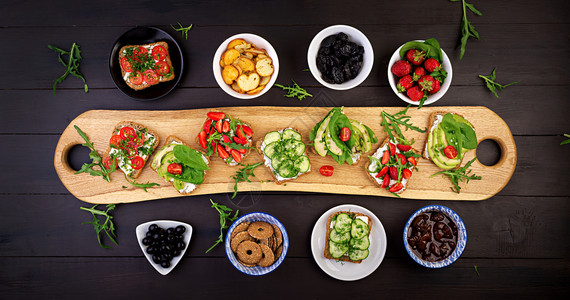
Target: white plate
[346,270]
[141,233]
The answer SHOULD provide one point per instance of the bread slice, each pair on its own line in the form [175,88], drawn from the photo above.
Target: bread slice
[144,85]
[137,127]
[276,180]
[171,139]
[373,179]
[329,220]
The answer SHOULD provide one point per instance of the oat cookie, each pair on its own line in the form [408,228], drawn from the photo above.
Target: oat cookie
[241,227]
[249,252]
[260,230]
[240,237]
[267,258]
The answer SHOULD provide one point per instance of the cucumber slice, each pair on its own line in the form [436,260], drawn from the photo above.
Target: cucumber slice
[343,223]
[270,137]
[287,169]
[361,244]
[359,229]
[291,134]
[294,148]
[272,149]
[337,250]
[302,164]
[341,238]
[357,254]
[277,160]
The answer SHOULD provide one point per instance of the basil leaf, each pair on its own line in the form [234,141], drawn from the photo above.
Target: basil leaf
[430,50]
[189,157]
[190,175]
[435,44]
[468,135]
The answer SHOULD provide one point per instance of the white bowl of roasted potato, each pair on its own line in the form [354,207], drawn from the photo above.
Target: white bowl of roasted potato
[245,66]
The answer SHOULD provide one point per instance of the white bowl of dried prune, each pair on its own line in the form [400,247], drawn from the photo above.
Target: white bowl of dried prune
[435,236]
[340,57]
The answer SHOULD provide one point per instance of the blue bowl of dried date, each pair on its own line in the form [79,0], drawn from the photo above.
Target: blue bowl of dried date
[435,236]
[340,57]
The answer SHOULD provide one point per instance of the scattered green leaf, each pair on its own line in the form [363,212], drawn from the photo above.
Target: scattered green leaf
[494,86]
[182,29]
[294,91]
[225,215]
[467,29]
[97,161]
[566,141]
[391,124]
[476,271]
[108,226]
[143,186]
[243,175]
[459,175]
[72,64]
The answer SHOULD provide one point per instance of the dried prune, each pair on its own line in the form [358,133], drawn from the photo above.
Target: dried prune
[339,59]
[432,236]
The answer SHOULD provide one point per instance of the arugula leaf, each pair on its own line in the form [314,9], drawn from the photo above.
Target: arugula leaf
[243,175]
[459,175]
[108,226]
[72,65]
[183,29]
[144,186]
[97,161]
[225,215]
[294,91]
[392,123]
[566,141]
[467,29]
[492,85]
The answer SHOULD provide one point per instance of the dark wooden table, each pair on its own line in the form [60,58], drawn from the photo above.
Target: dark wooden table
[518,239]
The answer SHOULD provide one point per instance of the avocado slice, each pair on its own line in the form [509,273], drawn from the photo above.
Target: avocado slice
[319,143]
[436,139]
[362,133]
[331,145]
[157,160]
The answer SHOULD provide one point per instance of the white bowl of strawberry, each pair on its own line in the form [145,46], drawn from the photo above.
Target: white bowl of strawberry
[420,72]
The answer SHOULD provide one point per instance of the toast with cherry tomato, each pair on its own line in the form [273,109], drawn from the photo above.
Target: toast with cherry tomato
[143,66]
[284,153]
[130,146]
[227,137]
[392,166]
[184,167]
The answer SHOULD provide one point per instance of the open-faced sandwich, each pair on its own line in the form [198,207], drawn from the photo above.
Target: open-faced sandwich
[130,146]
[392,165]
[450,136]
[180,165]
[284,154]
[229,138]
[348,236]
[342,138]
[143,66]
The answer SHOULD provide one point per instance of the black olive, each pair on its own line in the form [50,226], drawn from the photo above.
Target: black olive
[170,238]
[156,258]
[180,229]
[146,241]
[180,245]
[156,236]
[167,256]
[165,264]
[170,230]
[150,250]
[153,228]
[148,234]
[175,253]
[164,248]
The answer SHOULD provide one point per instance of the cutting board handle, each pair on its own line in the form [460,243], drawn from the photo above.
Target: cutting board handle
[67,141]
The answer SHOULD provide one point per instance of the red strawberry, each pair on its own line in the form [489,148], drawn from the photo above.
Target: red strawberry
[216,115]
[392,148]
[401,68]
[226,139]
[404,148]
[394,173]
[396,187]
[383,172]
[207,125]
[404,83]
[385,157]
[239,132]
[385,181]
[237,140]
[215,146]
[242,151]
[406,173]
[418,72]
[236,155]
[415,57]
[219,126]
[415,93]
[247,130]
[202,139]
[436,87]
[402,158]
[426,83]
[412,160]
[431,64]
[226,126]
[222,152]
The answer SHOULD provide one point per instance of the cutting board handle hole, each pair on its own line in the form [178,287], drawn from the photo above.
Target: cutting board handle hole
[77,156]
[489,152]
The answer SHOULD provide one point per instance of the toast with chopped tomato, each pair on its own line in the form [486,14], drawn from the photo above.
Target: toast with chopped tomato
[143,66]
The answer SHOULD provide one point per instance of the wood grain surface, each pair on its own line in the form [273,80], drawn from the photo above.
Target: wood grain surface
[347,179]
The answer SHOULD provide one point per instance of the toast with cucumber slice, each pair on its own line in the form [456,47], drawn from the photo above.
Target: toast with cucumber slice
[348,236]
[284,153]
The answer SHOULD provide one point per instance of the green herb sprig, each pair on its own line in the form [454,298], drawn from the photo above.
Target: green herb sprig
[72,64]
[243,175]
[467,29]
[108,226]
[182,29]
[476,270]
[459,175]
[494,86]
[97,161]
[566,141]
[143,186]
[225,215]
[294,91]
[391,124]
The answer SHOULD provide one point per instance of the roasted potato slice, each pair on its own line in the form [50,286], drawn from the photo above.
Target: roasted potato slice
[229,74]
[230,56]
[248,83]
[264,67]
[245,64]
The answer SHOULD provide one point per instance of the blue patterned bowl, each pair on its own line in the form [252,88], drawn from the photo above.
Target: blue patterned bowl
[257,270]
[461,237]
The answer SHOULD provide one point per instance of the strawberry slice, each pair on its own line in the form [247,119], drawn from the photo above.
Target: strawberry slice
[396,187]
[207,125]
[240,133]
[247,130]
[412,160]
[202,139]
[237,140]
[242,151]
[222,152]
[215,146]
[402,158]
[392,149]
[385,181]
[394,173]
[212,130]
[215,115]
[219,126]
[226,139]
[383,171]
[406,173]
[225,126]
[404,148]
[385,158]
[236,155]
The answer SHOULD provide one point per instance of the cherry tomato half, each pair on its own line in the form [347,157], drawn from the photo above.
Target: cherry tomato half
[450,152]
[137,162]
[174,168]
[162,68]
[136,78]
[116,140]
[107,162]
[326,170]
[344,134]
[150,77]
[127,133]
[158,53]
[126,65]
[140,51]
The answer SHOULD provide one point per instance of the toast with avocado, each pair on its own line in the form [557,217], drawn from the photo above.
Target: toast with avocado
[130,147]
[185,168]
[348,236]
[449,137]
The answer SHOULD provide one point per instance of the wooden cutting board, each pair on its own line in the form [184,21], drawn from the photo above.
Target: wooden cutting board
[98,125]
